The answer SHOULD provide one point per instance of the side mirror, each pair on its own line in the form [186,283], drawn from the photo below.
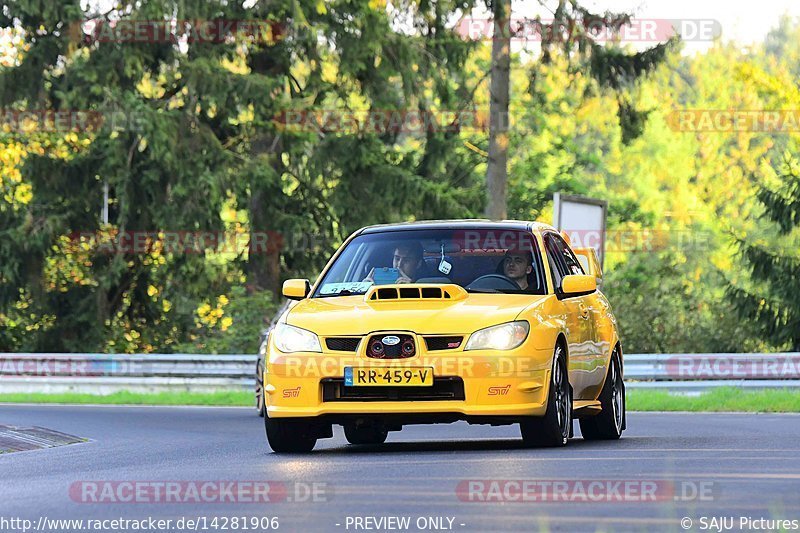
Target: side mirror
[578,284]
[296,289]
[589,261]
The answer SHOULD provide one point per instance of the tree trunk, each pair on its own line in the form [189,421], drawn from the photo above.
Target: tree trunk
[264,260]
[264,257]
[496,170]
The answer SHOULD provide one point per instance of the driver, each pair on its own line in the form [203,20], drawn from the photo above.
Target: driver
[517,266]
[407,258]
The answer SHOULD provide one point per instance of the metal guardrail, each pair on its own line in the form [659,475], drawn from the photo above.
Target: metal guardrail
[700,372]
[107,373]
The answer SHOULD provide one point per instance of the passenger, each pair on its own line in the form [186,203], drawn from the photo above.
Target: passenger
[408,259]
[517,266]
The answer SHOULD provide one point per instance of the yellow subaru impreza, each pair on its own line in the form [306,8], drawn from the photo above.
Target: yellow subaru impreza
[429,322]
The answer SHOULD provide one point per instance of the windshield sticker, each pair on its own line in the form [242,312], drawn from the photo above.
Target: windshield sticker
[351,287]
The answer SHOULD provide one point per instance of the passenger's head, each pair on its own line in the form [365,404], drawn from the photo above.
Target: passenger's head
[517,266]
[408,258]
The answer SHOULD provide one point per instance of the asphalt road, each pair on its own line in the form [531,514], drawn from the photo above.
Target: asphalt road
[672,466]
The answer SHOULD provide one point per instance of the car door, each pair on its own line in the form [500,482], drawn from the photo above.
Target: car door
[578,317]
[595,309]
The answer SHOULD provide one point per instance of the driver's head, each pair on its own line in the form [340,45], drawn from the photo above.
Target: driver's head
[408,258]
[517,266]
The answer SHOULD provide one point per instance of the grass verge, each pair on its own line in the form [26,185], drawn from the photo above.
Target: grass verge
[234,397]
[717,400]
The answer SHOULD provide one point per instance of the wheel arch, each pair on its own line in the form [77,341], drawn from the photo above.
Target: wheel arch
[561,339]
[618,349]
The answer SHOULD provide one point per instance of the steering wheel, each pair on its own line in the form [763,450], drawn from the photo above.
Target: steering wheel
[481,282]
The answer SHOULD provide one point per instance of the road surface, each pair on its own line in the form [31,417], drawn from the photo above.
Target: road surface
[667,469]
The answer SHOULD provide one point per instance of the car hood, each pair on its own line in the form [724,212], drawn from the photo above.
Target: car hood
[352,315]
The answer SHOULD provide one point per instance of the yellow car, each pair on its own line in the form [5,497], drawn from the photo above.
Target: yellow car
[430,322]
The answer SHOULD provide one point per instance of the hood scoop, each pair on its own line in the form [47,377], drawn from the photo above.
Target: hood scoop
[421,292]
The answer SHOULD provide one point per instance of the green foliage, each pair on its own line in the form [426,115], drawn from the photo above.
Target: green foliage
[224,398]
[199,138]
[665,303]
[780,46]
[197,147]
[238,328]
[723,399]
[769,295]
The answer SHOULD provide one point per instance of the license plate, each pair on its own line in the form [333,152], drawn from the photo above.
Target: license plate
[388,377]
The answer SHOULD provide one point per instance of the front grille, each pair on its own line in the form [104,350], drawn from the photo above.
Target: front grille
[449,388]
[342,344]
[442,343]
[378,348]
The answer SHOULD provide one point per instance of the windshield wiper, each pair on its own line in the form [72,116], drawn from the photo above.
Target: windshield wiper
[484,291]
[343,292]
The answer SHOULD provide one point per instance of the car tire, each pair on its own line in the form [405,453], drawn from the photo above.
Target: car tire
[365,435]
[289,435]
[555,427]
[610,422]
[260,405]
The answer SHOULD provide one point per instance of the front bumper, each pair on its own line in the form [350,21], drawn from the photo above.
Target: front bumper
[508,384]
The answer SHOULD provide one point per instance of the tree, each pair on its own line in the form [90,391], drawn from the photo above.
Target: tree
[670,301]
[573,34]
[497,163]
[780,45]
[769,296]
[202,138]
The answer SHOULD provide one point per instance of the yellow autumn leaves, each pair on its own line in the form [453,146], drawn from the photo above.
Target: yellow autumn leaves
[12,189]
[211,317]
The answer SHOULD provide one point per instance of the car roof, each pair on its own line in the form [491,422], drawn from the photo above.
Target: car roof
[462,224]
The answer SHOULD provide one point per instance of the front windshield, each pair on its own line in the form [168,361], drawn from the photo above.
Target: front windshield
[489,260]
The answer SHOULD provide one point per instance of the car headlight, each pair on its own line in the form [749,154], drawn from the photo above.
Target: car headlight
[503,337]
[290,339]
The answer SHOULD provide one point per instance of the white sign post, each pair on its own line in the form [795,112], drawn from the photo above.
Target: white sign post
[583,220]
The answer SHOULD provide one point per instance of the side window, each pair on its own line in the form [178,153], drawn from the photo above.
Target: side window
[572,262]
[558,268]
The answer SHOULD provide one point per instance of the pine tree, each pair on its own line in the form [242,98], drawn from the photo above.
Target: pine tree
[198,135]
[771,297]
